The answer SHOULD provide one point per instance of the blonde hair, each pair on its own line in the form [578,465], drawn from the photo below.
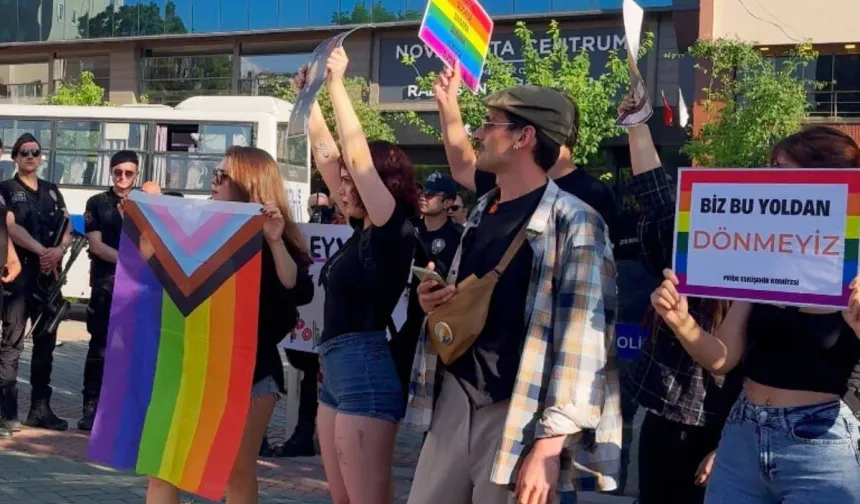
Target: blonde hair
[257,173]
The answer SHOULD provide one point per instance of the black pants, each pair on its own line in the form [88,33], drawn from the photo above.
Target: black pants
[309,364]
[98,317]
[19,307]
[669,455]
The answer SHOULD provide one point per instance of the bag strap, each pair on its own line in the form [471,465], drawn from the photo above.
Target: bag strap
[513,248]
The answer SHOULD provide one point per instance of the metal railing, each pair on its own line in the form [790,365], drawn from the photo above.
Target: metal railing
[30,92]
[844,104]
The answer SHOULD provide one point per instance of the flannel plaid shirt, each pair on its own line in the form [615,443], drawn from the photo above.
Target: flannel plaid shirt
[664,378]
[567,382]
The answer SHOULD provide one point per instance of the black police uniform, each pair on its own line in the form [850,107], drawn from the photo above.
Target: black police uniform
[40,213]
[102,214]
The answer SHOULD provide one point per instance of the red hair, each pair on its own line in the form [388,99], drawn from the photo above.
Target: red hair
[395,170]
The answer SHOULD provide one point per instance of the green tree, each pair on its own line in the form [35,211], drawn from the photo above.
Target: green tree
[84,91]
[373,121]
[130,20]
[751,102]
[377,14]
[597,98]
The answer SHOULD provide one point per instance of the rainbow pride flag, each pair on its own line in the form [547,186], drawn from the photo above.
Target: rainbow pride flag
[182,341]
[458,30]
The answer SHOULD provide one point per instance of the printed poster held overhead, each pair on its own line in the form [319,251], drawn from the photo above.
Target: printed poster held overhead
[785,236]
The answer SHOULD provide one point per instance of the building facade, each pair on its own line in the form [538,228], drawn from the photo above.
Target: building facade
[776,26]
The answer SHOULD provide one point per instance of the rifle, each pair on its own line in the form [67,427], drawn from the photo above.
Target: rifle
[54,307]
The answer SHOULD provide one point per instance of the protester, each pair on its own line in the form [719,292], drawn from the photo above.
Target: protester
[103,225]
[530,365]
[462,157]
[248,174]
[789,437]
[686,405]
[151,187]
[360,399]
[320,209]
[40,230]
[457,212]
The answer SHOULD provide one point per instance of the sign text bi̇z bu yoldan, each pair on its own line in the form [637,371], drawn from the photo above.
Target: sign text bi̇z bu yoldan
[768,235]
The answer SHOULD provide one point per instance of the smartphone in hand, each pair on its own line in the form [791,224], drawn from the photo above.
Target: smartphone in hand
[424,275]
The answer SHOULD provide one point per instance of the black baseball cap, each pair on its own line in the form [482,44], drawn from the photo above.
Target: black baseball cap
[438,183]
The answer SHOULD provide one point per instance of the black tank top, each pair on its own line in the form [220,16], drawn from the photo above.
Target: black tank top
[793,350]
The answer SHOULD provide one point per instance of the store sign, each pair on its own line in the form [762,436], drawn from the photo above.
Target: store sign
[397,81]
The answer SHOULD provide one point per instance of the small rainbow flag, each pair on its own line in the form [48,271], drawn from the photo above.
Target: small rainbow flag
[458,30]
[182,341]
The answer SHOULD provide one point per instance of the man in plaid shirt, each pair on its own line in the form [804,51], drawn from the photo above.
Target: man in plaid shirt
[533,406]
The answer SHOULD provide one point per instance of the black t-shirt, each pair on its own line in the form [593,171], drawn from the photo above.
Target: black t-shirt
[102,214]
[39,212]
[4,238]
[366,277]
[578,183]
[440,245]
[488,370]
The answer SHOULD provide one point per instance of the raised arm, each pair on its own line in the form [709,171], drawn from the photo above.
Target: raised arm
[655,193]
[458,148]
[718,353]
[377,200]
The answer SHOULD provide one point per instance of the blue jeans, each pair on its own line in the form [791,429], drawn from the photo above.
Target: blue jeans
[359,377]
[802,455]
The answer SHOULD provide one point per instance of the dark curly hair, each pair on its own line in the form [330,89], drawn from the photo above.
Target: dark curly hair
[395,170]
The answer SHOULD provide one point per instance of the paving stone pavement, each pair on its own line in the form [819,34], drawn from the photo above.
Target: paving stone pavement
[45,467]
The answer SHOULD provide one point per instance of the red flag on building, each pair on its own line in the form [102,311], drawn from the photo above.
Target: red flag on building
[668,114]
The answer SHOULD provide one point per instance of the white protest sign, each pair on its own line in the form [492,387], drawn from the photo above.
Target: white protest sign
[642,110]
[785,236]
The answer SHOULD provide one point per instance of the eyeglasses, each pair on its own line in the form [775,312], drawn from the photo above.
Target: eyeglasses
[118,173]
[219,176]
[493,123]
[454,208]
[32,153]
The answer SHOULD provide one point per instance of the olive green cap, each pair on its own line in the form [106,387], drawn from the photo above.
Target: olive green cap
[550,111]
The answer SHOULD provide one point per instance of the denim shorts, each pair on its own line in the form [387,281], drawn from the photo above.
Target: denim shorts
[359,377]
[805,454]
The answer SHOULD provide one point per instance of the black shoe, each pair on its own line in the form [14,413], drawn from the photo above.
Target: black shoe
[266,449]
[9,407]
[300,444]
[41,416]
[89,417]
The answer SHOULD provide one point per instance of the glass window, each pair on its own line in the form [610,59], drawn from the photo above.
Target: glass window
[263,14]
[389,10]
[171,79]
[204,15]
[292,155]
[24,82]
[150,18]
[234,15]
[320,12]
[532,6]
[126,19]
[33,24]
[176,15]
[79,135]
[11,129]
[69,70]
[84,149]
[294,13]
[9,26]
[181,172]
[102,22]
[260,73]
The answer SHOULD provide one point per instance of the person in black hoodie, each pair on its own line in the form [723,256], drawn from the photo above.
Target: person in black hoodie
[251,175]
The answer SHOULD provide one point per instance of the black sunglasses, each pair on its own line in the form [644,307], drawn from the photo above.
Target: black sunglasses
[219,175]
[128,173]
[454,208]
[30,153]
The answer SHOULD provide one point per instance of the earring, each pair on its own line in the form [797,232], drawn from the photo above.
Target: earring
[516,147]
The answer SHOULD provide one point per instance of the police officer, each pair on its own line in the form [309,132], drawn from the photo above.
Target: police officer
[37,213]
[103,224]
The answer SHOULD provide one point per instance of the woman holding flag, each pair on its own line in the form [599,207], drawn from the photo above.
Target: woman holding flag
[248,174]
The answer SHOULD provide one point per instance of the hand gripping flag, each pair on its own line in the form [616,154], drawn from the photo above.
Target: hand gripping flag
[182,341]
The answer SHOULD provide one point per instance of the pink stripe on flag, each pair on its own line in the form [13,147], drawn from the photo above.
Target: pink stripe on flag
[190,244]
